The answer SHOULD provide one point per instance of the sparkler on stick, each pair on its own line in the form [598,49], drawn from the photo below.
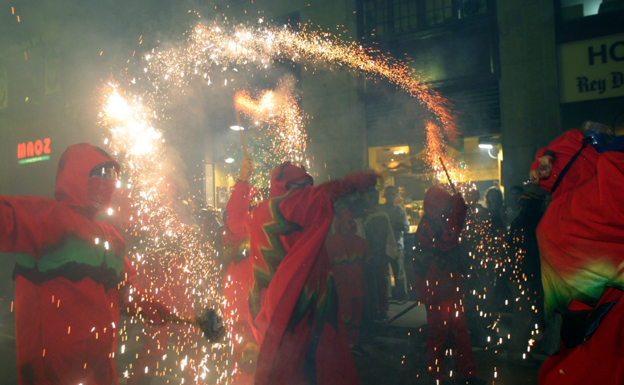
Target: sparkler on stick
[240,129]
[448,176]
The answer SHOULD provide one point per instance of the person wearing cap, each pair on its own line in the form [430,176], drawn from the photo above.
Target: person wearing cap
[581,244]
[71,275]
[293,299]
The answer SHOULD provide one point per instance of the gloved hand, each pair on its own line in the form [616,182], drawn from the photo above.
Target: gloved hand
[246,169]
[545,165]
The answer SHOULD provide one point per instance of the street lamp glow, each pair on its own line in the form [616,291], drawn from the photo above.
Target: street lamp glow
[237,128]
[229,160]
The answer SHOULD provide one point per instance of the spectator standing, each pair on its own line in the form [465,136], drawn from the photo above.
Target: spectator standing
[513,204]
[383,247]
[400,225]
[525,280]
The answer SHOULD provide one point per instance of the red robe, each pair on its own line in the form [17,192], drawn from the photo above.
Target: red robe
[581,241]
[439,282]
[293,298]
[68,275]
[347,253]
[237,281]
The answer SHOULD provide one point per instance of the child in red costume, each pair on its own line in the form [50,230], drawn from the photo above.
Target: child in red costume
[439,283]
[581,242]
[238,276]
[69,274]
[293,298]
[347,252]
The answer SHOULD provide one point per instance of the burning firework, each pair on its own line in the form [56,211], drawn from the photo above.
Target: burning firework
[164,245]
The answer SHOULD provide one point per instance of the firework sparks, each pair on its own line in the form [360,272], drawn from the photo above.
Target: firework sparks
[163,245]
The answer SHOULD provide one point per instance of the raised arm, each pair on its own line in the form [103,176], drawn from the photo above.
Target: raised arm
[25,225]
[355,181]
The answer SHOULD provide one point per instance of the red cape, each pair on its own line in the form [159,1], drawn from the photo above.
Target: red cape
[294,302]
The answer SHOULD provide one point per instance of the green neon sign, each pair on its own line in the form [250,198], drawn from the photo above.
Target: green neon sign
[33,160]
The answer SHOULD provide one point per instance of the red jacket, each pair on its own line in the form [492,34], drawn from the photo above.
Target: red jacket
[69,270]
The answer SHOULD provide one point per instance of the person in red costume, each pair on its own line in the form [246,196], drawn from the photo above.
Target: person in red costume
[347,253]
[238,276]
[70,275]
[293,298]
[439,284]
[581,243]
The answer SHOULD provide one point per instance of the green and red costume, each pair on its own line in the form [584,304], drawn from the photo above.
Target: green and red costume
[293,299]
[69,272]
[581,242]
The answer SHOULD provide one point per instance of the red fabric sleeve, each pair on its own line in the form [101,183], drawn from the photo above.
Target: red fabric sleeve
[237,220]
[355,181]
[30,224]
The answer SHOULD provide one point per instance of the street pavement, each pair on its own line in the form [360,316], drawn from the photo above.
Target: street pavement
[397,357]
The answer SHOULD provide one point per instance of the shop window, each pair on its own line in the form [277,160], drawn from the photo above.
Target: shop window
[576,9]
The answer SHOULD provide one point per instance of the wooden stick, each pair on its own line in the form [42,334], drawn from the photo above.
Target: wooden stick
[448,176]
[240,131]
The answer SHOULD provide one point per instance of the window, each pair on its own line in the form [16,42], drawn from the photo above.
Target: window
[405,15]
[375,20]
[576,9]
[438,11]
[383,17]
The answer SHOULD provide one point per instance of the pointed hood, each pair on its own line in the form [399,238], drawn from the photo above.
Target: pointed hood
[285,174]
[72,176]
[437,203]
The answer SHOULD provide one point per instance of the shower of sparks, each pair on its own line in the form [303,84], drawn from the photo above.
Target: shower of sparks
[175,262]
[435,150]
[285,135]
[172,253]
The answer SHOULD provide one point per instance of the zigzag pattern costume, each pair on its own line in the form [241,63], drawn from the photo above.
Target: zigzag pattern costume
[293,299]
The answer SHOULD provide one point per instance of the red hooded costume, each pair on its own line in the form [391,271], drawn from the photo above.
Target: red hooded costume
[439,281]
[293,299]
[237,281]
[68,275]
[347,252]
[581,242]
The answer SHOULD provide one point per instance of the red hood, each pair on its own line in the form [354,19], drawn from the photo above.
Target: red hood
[564,147]
[72,175]
[344,217]
[437,203]
[283,175]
